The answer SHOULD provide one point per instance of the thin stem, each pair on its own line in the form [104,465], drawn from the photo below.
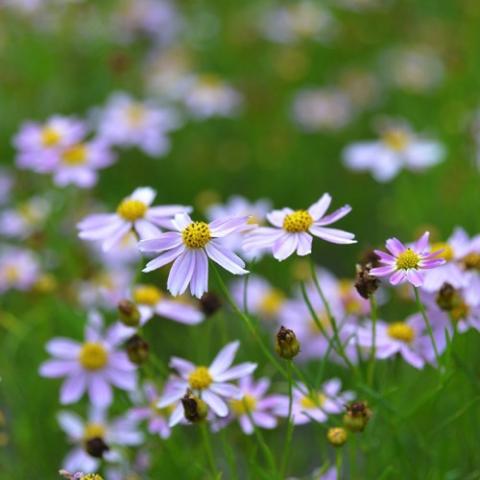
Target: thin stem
[421,309]
[208,449]
[338,463]
[248,322]
[374,316]
[288,438]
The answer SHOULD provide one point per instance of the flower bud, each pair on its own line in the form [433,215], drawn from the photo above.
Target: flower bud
[210,303]
[96,447]
[447,297]
[357,416]
[128,312]
[194,408]
[287,345]
[137,349]
[365,284]
[337,436]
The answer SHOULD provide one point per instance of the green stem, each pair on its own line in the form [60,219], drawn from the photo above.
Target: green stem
[290,425]
[374,316]
[248,322]
[208,449]
[421,309]
[338,463]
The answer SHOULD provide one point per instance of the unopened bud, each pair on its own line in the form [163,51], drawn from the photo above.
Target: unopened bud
[194,408]
[129,313]
[287,345]
[96,447]
[137,349]
[447,297]
[210,303]
[337,436]
[357,416]
[365,284]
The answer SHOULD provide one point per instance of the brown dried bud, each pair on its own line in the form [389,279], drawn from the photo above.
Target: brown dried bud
[210,303]
[447,297]
[472,261]
[96,447]
[129,313]
[357,416]
[194,408]
[287,345]
[137,349]
[337,436]
[369,257]
[365,284]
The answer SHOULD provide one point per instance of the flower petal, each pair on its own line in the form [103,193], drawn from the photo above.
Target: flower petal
[224,358]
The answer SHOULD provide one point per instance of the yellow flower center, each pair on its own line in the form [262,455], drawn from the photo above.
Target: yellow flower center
[408,259]
[299,221]
[309,403]
[131,210]
[92,476]
[147,295]
[196,235]
[76,155]
[272,302]
[50,137]
[200,378]
[11,273]
[448,252]
[136,114]
[243,406]
[93,356]
[401,331]
[93,430]
[396,139]
[472,261]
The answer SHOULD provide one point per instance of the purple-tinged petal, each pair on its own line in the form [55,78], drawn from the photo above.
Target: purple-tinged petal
[226,259]
[181,273]
[165,241]
[164,259]
[73,388]
[285,246]
[116,236]
[226,390]
[422,243]
[318,209]
[71,424]
[176,416]
[304,244]
[99,391]
[215,403]
[236,372]
[146,229]
[382,271]
[179,312]
[385,257]
[63,348]
[58,368]
[145,195]
[246,425]
[199,283]
[226,226]
[277,217]
[395,246]
[334,216]
[333,235]
[224,359]
[183,367]
[398,277]
[415,277]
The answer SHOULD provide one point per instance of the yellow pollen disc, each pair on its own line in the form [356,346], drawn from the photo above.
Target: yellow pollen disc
[253,220]
[309,403]
[447,253]
[93,430]
[243,406]
[200,378]
[299,221]
[11,273]
[92,476]
[93,356]
[76,155]
[472,261]
[272,302]
[408,259]
[396,139]
[401,331]
[131,210]
[196,235]
[136,114]
[50,137]
[146,295]
[460,312]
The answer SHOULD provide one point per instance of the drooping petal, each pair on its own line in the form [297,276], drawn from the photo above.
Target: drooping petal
[116,236]
[167,257]
[177,416]
[215,403]
[73,388]
[226,259]
[304,246]
[226,390]
[333,235]
[285,246]
[181,273]
[398,277]
[199,283]
[99,390]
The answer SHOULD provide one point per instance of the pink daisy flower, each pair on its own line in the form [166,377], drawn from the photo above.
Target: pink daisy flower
[407,264]
[190,247]
[19,269]
[134,213]
[92,366]
[294,229]
[211,383]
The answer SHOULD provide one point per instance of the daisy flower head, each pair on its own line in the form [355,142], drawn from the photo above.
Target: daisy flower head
[134,213]
[189,247]
[93,365]
[19,269]
[407,264]
[212,383]
[96,433]
[293,229]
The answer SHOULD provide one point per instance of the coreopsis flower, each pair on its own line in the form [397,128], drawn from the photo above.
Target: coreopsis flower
[407,338]
[397,148]
[209,96]
[254,407]
[298,22]
[211,383]
[92,366]
[316,406]
[19,269]
[151,301]
[96,438]
[25,218]
[146,409]
[322,109]
[78,163]
[134,213]
[293,229]
[190,247]
[38,145]
[407,264]
[127,123]
[237,206]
